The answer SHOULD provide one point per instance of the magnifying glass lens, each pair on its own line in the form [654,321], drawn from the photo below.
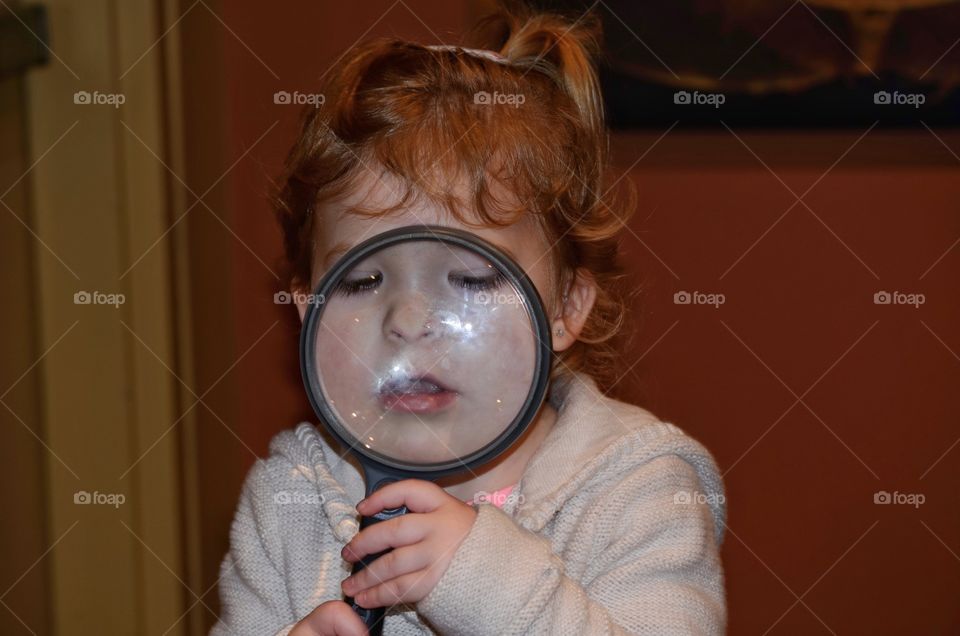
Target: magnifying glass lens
[425,353]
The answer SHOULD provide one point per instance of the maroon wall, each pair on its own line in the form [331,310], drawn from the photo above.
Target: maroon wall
[877,384]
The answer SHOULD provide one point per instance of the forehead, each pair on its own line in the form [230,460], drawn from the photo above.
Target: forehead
[341,228]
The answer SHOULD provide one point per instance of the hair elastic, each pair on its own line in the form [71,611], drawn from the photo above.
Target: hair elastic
[486,54]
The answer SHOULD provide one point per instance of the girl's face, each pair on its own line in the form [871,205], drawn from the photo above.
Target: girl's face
[424,350]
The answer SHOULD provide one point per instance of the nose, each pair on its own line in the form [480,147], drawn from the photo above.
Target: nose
[410,320]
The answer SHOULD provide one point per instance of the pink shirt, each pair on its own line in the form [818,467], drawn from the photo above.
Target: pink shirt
[497,498]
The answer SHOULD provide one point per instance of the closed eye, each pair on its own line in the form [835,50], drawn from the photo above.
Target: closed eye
[477,283]
[352,287]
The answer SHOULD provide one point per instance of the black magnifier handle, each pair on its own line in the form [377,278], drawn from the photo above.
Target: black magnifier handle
[373,617]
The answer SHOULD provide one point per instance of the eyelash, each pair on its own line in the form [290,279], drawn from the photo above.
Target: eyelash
[478,283]
[473,283]
[353,287]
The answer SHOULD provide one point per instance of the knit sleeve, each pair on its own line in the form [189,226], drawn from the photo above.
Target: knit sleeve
[253,594]
[652,567]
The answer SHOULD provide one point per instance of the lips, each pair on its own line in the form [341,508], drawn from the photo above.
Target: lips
[421,394]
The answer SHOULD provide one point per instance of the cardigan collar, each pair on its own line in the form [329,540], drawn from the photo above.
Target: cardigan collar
[587,423]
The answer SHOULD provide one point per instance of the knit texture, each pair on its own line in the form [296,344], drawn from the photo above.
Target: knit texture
[614,528]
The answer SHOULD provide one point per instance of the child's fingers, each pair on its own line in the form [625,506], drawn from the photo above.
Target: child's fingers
[391,565]
[333,618]
[409,588]
[392,533]
[416,494]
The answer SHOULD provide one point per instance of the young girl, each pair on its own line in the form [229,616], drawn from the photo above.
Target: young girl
[600,519]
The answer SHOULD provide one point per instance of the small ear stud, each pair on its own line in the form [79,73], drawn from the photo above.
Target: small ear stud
[559,332]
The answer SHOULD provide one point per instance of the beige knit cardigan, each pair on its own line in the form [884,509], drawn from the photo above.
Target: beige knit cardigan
[614,528]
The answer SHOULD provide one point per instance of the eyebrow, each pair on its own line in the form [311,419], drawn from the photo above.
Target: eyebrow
[507,251]
[335,252]
[342,247]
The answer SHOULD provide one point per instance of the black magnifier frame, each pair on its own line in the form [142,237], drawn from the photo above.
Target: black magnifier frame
[380,469]
[515,276]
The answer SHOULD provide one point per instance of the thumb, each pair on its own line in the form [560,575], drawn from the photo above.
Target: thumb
[333,618]
[345,621]
[417,495]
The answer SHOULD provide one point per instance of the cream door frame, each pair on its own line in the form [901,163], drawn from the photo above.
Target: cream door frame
[112,379]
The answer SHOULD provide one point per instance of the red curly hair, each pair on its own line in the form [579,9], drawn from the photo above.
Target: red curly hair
[413,111]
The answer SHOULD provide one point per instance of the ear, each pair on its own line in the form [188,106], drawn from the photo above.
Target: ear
[574,309]
[300,298]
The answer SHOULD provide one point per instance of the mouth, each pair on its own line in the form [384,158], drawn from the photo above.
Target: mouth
[420,394]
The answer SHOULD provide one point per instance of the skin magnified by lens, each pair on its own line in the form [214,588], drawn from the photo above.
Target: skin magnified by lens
[443,398]
[425,351]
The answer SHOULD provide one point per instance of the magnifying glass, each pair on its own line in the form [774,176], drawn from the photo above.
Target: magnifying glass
[426,351]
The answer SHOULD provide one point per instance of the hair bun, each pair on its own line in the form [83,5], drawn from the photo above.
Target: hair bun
[552,44]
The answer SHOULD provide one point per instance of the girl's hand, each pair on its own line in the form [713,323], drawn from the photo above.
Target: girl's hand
[424,541]
[333,618]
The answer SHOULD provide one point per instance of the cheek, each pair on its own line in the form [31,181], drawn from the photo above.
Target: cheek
[520,350]
[543,279]
[504,360]
[342,346]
